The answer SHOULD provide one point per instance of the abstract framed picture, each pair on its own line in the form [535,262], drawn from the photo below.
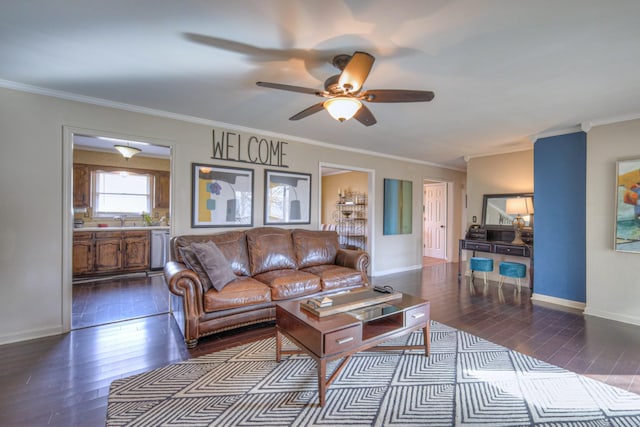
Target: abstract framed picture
[398,206]
[287,198]
[221,196]
[628,206]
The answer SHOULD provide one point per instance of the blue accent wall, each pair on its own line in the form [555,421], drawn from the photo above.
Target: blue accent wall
[560,172]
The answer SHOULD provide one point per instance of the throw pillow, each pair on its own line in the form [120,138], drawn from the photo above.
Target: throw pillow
[214,263]
[191,261]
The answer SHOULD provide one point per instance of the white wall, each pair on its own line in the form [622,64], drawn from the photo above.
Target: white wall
[34,281]
[613,278]
[502,173]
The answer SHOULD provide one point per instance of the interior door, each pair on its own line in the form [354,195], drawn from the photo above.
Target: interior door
[435,220]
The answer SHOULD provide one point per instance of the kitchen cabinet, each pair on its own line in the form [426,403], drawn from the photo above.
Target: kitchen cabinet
[136,250]
[109,252]
[82,253]
[162,185]
[81,181]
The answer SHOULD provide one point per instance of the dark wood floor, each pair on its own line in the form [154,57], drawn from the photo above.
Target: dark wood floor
[64,380]
[120,298]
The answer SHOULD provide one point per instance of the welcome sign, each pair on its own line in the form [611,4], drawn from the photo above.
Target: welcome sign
[236,147]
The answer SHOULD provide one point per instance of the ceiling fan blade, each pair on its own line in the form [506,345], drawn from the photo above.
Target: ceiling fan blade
[356,71]
[365,116]
[309,111]
[397,95]
[289,88]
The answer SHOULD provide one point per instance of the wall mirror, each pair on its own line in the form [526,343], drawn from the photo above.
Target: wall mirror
[499,210]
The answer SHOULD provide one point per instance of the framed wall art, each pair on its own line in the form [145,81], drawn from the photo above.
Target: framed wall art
[398,206]
[221,196]
[287,198]
[628,206]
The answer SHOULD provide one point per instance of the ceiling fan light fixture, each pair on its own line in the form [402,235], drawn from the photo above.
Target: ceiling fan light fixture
[127,151]
[342,108]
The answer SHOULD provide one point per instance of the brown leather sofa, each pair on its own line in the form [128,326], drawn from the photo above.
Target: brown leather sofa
[270,265]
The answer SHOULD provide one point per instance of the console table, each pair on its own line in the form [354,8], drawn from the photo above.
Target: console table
[495,247]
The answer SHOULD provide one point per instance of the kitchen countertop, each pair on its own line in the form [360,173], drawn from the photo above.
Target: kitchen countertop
[130,228]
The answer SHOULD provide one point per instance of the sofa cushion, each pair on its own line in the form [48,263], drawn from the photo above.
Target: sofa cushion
[315,247]
[214,264]
[241,292]
[287,284]
[233,245]
[270,249]
[335,276]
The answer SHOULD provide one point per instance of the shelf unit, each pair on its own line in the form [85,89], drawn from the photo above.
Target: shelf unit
[351,222]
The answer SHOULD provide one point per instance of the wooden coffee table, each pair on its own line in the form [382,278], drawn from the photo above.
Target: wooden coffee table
[345,333]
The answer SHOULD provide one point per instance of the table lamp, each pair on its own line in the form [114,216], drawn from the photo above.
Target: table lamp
[518,206]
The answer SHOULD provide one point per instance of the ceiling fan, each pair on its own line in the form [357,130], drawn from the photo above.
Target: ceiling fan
[344,91]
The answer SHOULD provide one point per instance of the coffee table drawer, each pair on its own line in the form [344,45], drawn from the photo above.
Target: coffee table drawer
[342,340]
[416,316]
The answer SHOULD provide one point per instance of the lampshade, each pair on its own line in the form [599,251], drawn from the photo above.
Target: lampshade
[342,108]
[529,205]
[127,151]
[518,205]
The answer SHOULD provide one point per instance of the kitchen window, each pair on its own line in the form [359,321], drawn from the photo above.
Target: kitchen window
[121,193]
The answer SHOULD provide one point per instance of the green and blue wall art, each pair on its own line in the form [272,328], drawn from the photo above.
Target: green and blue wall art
[398,206]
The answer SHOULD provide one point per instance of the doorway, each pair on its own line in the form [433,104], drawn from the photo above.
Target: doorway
[119,202]
[435,225]
[346,203]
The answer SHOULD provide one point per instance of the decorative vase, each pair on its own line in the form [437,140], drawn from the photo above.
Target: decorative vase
[294,210]
[231,210]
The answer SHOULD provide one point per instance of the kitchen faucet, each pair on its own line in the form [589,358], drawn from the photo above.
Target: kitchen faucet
[121,218]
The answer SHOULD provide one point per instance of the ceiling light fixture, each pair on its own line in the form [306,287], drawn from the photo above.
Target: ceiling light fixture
[342,108]
[127,151]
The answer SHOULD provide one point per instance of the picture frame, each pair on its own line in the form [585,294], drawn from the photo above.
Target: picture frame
[398,207]
[627,215]
[221,196]
[287,197]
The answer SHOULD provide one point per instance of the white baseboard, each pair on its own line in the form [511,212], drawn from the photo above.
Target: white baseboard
[558,301]
[30,335]
[395,270]
[612,316]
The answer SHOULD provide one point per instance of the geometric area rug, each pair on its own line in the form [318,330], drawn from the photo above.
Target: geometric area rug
[466,381]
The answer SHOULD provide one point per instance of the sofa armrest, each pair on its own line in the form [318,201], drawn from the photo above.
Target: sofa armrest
[185,283]
[358,260]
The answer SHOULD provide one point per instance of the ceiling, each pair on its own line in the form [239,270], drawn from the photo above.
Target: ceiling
[503,72]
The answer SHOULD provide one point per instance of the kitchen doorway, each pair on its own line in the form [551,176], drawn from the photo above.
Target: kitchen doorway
[121,225]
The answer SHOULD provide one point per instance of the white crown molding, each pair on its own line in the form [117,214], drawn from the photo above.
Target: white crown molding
[7,84]
[586,126]
[616,119]
[556,132]
[495,153]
